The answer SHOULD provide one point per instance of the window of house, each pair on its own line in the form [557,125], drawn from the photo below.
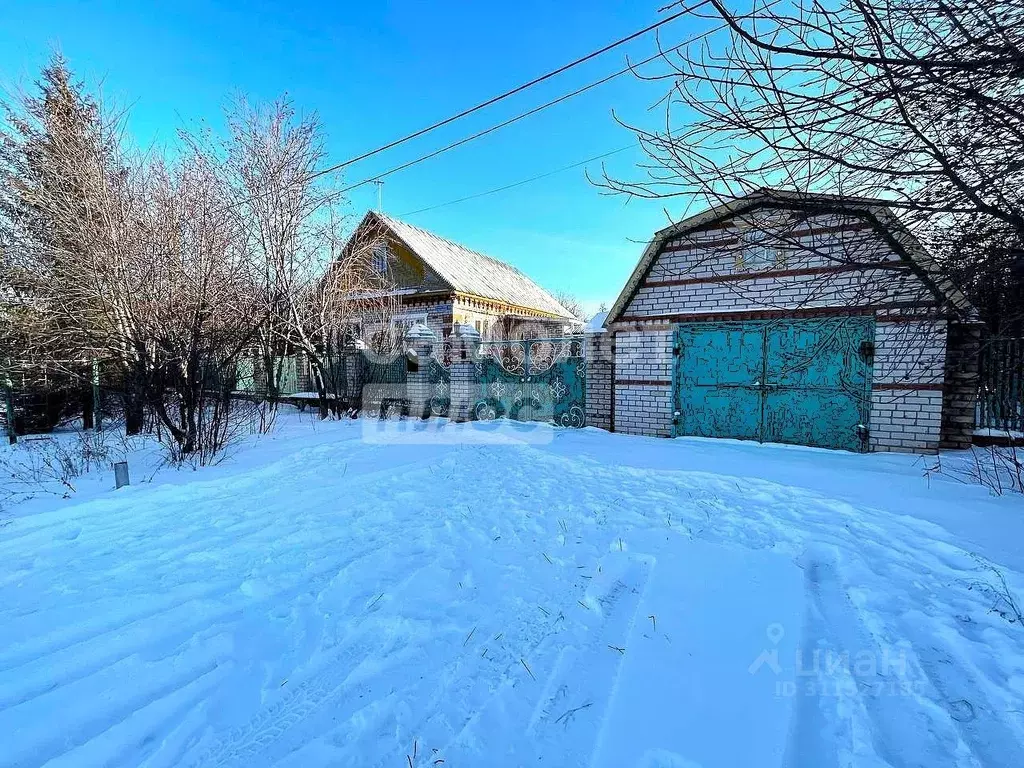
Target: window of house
[757,254]
[380,259]
[402,323]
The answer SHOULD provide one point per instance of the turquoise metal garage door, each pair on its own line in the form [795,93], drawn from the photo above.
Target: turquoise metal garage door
[806,382]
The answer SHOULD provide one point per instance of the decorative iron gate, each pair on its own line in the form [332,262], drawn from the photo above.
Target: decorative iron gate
[532,380]
[440,379]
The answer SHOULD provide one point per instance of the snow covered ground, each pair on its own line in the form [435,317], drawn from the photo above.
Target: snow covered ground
[443,595]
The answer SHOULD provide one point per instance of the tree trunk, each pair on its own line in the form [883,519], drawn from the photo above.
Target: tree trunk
[321,390]
[87,409]
[134,416]
[133,402]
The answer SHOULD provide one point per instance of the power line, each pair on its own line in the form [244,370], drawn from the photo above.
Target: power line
[521,183]
[535,110]
[528,113]
[514,91]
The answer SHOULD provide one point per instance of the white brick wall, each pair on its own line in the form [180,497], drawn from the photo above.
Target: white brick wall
[906,421]
[598,397]
[687,258]
[843,289]
[906,405]
[643,356]
[910,352]
[643,410]
[713,252]
[907,354]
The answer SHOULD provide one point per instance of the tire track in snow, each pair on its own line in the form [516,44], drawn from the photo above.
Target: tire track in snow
[970,711]
[581,675]
[10,659]
[292,720]
[859,702]
[903,572]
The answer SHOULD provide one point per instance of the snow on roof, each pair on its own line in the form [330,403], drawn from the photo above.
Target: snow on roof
[596,323]
[471,272]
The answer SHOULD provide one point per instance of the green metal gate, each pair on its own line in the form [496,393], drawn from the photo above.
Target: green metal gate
[532,380]
[440,379]
[806,382]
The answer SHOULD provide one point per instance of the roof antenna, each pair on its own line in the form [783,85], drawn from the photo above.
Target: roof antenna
[379,183]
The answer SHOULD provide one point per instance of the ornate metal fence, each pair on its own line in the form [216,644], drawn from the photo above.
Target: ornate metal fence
[1001,385]
[532,380]
[536,380]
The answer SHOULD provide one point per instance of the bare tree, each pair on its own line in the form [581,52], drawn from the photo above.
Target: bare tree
[572,303]
[918,102]
[311,283]
[130,260]
[196,309]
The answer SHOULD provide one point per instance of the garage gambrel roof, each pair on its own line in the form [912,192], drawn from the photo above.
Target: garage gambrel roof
[877,212]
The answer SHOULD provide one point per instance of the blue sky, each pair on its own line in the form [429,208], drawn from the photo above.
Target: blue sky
[376,71]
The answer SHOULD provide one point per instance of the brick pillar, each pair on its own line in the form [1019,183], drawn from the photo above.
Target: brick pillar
[960,387]
[419,341]
[465,343]
[599,380]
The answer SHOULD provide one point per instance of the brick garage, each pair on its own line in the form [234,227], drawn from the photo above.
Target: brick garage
[783,265]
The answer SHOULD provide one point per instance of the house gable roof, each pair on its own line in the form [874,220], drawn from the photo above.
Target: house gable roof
[877,211]
[470,272]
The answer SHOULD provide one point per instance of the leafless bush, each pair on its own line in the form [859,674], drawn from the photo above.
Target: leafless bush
[998,468]
[1004,602]
[222,423]
[311,282]
[50,465]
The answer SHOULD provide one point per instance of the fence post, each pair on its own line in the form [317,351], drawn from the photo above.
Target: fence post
[960,385]
[121,478]
[354,375]
[12,435]
[420,342]
[465,345]
[598,383]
